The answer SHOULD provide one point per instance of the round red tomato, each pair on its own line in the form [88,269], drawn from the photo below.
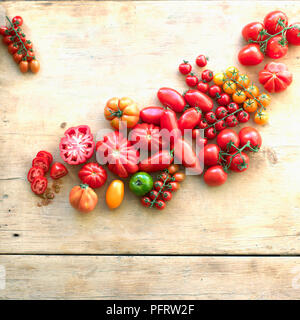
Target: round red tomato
[227,136]
[232,107]
[249,134]
[292,35]
[277,47]
[214,91]
[203,86]
[243,116]
[253,31]
[220,125]
[146,201]
[221,112]
[210,133]
[224,99]
[160,204]
[211,154]
[34,172]
[203,124]
[215,176]
[17,21]
[93,174]
[4,31]
[201,61]
[210,117]
[207,75]
[275,21]
[250,55]
[7,40]
[231,121]
[191,80]
[185,67]
[13,48]
[238,162]
[39,185]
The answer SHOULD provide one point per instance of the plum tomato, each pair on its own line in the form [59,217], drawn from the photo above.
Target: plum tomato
[195,98]
[215,176]
[250,55]
[185,67]
[151,114]
[249,134]
[34,66]
[39,185]
[93,175]
[179,176]
[238,162]
[292,35]
[201,61]
[115,194]
[23,65]
[171,98]
[253,31]
[226,137]
[34,172]
[277,47]
[41,162]
[275,21]
[207,75]
[191,80]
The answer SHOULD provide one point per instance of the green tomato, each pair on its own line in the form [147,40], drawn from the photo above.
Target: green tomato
[141,183]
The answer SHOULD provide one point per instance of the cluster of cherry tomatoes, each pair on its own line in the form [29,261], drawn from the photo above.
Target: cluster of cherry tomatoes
[270,38]
[18,46]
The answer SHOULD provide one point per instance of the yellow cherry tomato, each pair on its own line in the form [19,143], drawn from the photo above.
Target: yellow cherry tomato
[239,96]
[250,105]
[252,91]
[115,194]
[219,78]
[261,117]
[243,81]
[229,87]
[264,99]
[232,73]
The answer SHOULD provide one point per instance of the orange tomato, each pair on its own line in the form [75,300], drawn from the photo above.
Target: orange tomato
[232,73]
[34,66]
[261,117]
[229,87]
[264,99]
[250,105]
[219,78]
[173,168]
[121,111]
[83,198]
[23,65]
[115,194]
[239,96]
[252,91]
[243,81]
[179,176]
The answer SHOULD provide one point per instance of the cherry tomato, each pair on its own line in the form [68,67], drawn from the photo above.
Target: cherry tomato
[221,112]
[261,117]
[160,204]
[249,134]
[173,168]
[214,90]
[171,98]
[191,80]
[203,124]
[201,61]
[228,136]
[252,91]
[165,176]
[276,47]
[42,163]
[23,65]
[271,21]
[239,96]
[243,81]
[185,67]
[215,176]
[153,194]
[34,66]
[238,162]
[179,176]
[173,186]
[34,172]
[250,105]
[232,107]
[232,73]
[207,75]
[264,99]
[292,35]
[158,185]
[93,175]
[210,133]
[166,196]
[17,57]
[211,154]
[12,48]
[203,86]
[146,201]
[201,142]
[58,170]
[7,40]
[210,117]
[115,194]
[220,125]
[250,55]
[253,31]
[224,99]
[219,78]
[231,121]
[28,45]
[195,98]
[30,55]
[4,31]
[39,185]
[17,21]
[243,116]
[229,87]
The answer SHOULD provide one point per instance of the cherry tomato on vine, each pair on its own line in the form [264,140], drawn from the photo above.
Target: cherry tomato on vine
[13,48]
[228,136]
[232,107]
[277,47]
[292,35]
[250,55]
[165,176]
[264,99]
[146,201]
[232,73]
[179,176]
[34,66]
[3,31]
[157,185]
[238,162]
[210,133]
[173,168]
[153,194]
[214,90]
[271,21]
[17,21]
[219,78]
[229,87]
[250,105]
[231,121]
[160,204]
[207,75]
[221,112]
[201,142]
[30,55]
[166,196]
[7,40]
[215,176]
[210,117]
[252,91]
[224,99]
[253,31]
[185,67]
[203,124]
[239,96]
[28,45]
[220,125]
[173,186]
[203,86]
[243,116]
[243,81]
[17,57]
[23,65]
[261,117]
[191,80]
[249,134]
[201,61]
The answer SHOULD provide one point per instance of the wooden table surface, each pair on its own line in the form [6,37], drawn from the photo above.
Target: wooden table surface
[241,240]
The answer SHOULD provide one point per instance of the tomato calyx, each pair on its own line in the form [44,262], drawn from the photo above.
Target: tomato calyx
[84,186]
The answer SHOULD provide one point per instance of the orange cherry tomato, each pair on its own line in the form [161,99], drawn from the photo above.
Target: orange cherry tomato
[179,176]
[261,117]
[264,99]
[239,96]
[23,65]
[115,194]
[250,105]
[229,87]
[83,198]
[252,91]
[122,110]
[232,73]
[243,81]
[34,66]
[173,168]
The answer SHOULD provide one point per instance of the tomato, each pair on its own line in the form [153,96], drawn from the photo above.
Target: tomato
[261,117]
[166,196]
[189,119]
[214,91]
[238,162]
[239,96]
[7,40]
[250,105]
[58,170]
[210,117]
[28,45]
[210,133]
[17,21]
[160,204]
[232,107]
[253,31]
[30,55]
[77,145]
[195,98]
[228,136]
[4,31]
[221,112]
[220,125]
[203,86]
[115,194]
[158,185]
[252,91]
[146,136]
[151,115]
[185,67]
[184,153]
[271,21]
[169,122]
[250,55]
[171,98]
[275,77]
[173,186]
[207,75]
[34,172]
[119,154]
[45,154]
[146,201]
[93,175]
[157,162]
[243,81]
[264,99]
[243,116]
[203,124]
[41,162]
[215,176]
[153,194]
[39,185]
[17,57]
[201,142]
[201,61]
[229,87]
[173,168]
[224,99]
[140,183]
[219,78]
[34,66]
[232,73]
[292,35]
[165,176]
[277,47]
[231,121]
[83,198]
[13,48]
[211,154]
[121,112]
[23,65]
[179,176]
[191,80]
[249,134]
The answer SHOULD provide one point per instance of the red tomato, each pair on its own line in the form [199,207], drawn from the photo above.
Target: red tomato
[231,121]
[215,176]
[210,117]
[179,176]
[160,204]
[13,48]
[201,142]
[30,55]
[28,45]
[201,61]
[210,133]
[224,99]
[166,196]
[271,21]
[189,119]
[153,194]
[243,116]
[292,35]
[173,186]
[151,115]
[275,77]
[41,162]
[157,162]
[171,98]
[169,122]
[250,134]
[225,137]
[34,172]
[220,125]
[184,153]
[191,80]
[232,107]
[185,67]
[23,65]
[238,162]
[276,47]
[146,201]
[214,91]
[195,98]
[221,112]
[211,154]
[253,31]
[203,86]
[93,175]
[39,185]
[250,55]
[45,154]
[58,170]
[7,40]
[17,57]
[207,75]
[158,185]
[4,31]
[203,124]
[17,21]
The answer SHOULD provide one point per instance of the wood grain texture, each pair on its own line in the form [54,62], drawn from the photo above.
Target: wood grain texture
[90,52]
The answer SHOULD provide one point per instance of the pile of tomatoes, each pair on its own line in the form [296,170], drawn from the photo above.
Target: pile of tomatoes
[18,46]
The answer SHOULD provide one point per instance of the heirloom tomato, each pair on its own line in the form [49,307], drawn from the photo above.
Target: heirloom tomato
[93,175]
[83,198]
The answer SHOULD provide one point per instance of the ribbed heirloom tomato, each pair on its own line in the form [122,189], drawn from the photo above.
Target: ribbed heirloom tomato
[83,198]
[93,175]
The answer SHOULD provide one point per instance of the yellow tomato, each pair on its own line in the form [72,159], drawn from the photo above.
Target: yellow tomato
[232,73]
[243,81]
[261,117]
[115,194]
[252,91]
[239,96]
[229,87]
[264,99]
[250,105]
[219,78]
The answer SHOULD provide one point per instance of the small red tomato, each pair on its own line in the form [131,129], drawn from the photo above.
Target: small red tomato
[243,116]
[250,55]
[41,162]
[191,80]
[210,117]
[224,99]
[28,45]
[201,142]
[201,61]
[7,40]
[58,170]
[173,168]
[12,48]
[160,204]
[17,57]
[196,133]
[165,177]
[277,47]
[34,172]
[207,75]
[17,21]
[220,125]
[221,112]
[211,154]
[292,35]
[214,91]
[173,186]
[251,135]
[146,201]
[210,133]
[231,121]
[39,185]
[238,162]
[179,176]
[226,137]
[30,55]
[153,194]
[4,31]
[254,31]
[203,124]
[45,154]
[185,67]
[215,176]
[158,185]
[275,21]
[166,196]
[232,107]
[203,86]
